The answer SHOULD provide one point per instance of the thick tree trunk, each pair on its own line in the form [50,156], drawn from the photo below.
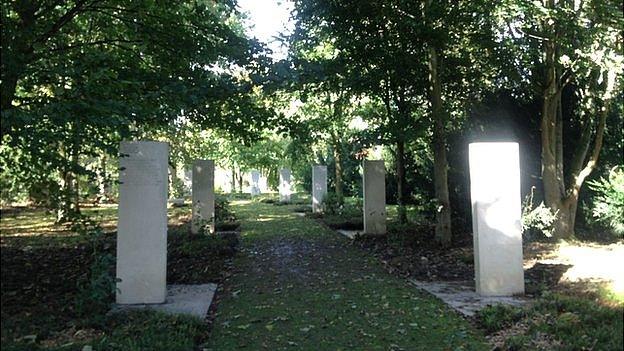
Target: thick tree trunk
[560,197]
[233,190]
[440,165]
[400,167]
[68,207]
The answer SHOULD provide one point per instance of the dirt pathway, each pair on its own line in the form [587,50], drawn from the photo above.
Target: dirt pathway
[297,285]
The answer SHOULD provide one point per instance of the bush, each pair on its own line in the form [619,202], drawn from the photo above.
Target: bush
[95,295]
[537,221]
[332,204]
[608,205]
[223,212]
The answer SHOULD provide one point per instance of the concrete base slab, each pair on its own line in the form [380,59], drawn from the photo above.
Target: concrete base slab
[351,234]
[191,300]
[461,296]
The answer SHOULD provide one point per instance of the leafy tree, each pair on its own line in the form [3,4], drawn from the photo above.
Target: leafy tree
[572,47]
[79,76]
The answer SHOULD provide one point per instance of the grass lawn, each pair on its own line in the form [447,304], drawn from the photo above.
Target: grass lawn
[298,285]
[295,285]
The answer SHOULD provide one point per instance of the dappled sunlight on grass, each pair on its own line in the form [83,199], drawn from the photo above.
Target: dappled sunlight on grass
[585,267]
[37,227]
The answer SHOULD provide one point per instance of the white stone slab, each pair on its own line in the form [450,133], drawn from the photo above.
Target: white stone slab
[284,185]
[374,184]
[351,234]
[255,183]
[142,222]
[319,187]
[461,296]
[193,300]
[496,223]
[203,196]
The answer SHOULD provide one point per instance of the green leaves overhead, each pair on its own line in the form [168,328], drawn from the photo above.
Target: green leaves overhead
[79,76]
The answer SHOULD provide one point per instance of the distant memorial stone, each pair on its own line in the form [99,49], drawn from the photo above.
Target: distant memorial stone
[319,187]
[284,185]
[255,183]
[496,224]
[203,196]
[374,183]
[142,223]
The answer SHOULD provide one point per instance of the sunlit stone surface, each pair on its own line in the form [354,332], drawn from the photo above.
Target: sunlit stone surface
[142,223]
[374,184]
[255,183]
[203,196]
[284,185]
[319,187]
[496,225]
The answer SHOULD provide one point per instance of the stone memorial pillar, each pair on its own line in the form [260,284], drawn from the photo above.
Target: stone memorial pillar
[496,223]
[284,185]
[255,183]
[203,196]
[319,187]
[142,223]
[374,184]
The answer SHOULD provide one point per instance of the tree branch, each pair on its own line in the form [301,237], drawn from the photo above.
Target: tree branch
[593,160]
[98,42]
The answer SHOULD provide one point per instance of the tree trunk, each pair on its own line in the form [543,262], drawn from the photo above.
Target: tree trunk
[103,183]
[338,162]
[440,164]
[68,207]
[63,211]
[233,190]
[240,181]
[560,197]
[400,167]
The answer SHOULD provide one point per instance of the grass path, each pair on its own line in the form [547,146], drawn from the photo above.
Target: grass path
[299,286]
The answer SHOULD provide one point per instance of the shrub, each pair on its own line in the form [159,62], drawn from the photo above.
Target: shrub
[608,206]
[537,221]
[95,295]
[223,212]
[332,204]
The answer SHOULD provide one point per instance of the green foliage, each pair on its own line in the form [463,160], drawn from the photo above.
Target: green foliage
[581,323]
[570,323]
[178,189]
[516,343]
[496,317]
[332,204]
[224,216]
[537,221]
[609,200]
[95,295]
[223,210]
[78,77]
[143,330]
